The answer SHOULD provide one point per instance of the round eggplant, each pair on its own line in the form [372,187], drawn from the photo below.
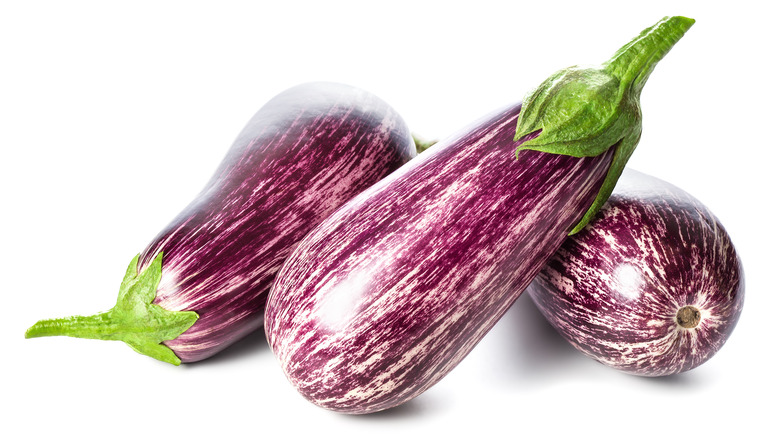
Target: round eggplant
[652,286]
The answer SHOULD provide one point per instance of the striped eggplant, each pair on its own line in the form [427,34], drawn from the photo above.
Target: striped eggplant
[386,296]
[202,283]
[652,286]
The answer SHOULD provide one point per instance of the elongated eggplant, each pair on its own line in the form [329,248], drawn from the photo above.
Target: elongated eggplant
[202,283]
[653,286]
[385,297]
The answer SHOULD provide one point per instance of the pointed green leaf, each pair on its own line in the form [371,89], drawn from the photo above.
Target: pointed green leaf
[157,351]
[623,151]
[144,286]
[168,324]
[129,278]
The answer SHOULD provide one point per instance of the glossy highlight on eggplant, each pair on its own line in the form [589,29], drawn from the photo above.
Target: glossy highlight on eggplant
[305,153]
[652,287]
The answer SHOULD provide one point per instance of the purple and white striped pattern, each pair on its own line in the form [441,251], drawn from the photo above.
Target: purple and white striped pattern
[614,289]
[391,292]
[305,153]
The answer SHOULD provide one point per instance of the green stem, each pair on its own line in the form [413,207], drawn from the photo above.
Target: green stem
[634,62]
[134,320]
[584,112]
[98,326]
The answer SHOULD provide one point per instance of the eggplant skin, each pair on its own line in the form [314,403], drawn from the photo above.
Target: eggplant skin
[306,152]
[614,290]
[385,297]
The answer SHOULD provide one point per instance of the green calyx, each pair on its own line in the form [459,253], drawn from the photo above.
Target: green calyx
[421,144]
[585,111]
[134,319]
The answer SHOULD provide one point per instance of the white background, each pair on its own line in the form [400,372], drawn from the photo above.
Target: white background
[113,117]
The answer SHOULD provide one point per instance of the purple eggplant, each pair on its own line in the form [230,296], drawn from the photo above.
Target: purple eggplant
[652,286]
[386,296]
[202,283]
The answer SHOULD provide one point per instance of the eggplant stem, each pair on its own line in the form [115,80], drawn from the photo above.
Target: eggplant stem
[134,320]
[586,111]
[98,326]
[634,62]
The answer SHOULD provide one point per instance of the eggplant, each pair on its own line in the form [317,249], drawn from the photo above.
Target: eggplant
[653,286]
[203,281]
[386,296]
